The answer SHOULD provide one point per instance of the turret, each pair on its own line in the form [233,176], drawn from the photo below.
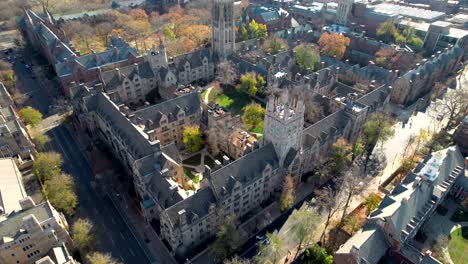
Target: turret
[284,122]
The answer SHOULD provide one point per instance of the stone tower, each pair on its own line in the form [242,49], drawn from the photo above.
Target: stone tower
[222,28]
[284,123]
[157,57]
[342,13]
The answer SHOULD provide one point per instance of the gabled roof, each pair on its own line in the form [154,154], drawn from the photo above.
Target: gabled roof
[196,206]
[371,243]
[408,198]
[137,141]
[189,103]
[327,126]
[243,170]
[113,78]
[194,58]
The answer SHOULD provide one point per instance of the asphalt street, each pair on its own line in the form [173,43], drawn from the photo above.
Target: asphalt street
[112,233]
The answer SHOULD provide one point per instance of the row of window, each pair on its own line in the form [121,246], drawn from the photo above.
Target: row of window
[28,247]
[36,252]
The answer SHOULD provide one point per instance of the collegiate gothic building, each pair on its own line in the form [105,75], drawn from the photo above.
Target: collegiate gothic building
[147,141]
[222,27]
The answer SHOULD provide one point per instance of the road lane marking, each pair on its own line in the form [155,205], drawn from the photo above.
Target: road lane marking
[112,241]
[112,220]
[131,252]
[122,235]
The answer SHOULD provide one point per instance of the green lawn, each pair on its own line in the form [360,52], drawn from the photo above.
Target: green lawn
[458,246]
[202,95]
[189,173]
[229,98]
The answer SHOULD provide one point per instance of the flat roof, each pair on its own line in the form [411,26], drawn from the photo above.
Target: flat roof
[453,32]
[11,186]
[407,11]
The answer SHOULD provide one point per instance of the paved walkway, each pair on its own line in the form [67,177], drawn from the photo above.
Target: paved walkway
[208,91]
[392,149]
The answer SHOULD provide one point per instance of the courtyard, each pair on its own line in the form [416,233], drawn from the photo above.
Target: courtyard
[443,235]
[458,245]
[227,97]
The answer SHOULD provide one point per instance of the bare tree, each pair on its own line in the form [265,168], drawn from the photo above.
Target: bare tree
[329,200]
[104,30]
[351,184]
[304,223]
[455,103]
[226,72]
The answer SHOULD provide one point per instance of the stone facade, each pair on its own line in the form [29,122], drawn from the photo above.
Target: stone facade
[72,69]
[343,11]
[461,136]
[390,229]
[195,66]
[227,136]
[222,27]
[14,140]
[420,81]
[28,235]
[130,84]
[140,139]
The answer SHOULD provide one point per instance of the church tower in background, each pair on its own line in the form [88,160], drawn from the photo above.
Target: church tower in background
[222,27]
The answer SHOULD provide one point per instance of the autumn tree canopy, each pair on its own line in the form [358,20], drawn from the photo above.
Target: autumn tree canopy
[192,138]
[253,30]
[273,45]
[333,45]
[253,116]
[251,83]
[307,56]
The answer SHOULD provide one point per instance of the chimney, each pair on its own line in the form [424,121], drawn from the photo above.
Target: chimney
[118,74]
[217,164]
[226,160]
[27,203]
[182,217]
[156,145]
[137,68]
[207,171]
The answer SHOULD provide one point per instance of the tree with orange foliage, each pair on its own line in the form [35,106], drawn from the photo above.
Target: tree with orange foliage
[333,45]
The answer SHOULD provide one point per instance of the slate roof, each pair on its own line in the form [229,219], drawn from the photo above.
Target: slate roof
[112,79]
[195,59]
[328,126]
[196,206]
[57,48]
[371,243]
[414,197]
[12,225]
[137,141]
[189,103]
[244,170]
[376,97]
[406,201]
[99,59]
[148,164]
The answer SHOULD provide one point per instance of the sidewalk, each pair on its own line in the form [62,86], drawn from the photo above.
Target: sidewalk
[146,237]
[144,232]
[261,220]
